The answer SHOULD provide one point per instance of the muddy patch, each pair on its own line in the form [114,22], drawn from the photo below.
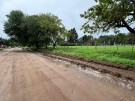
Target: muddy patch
[116,79]
[127,84]
[104,77]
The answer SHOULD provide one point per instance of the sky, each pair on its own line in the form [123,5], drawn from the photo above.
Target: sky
[67,10]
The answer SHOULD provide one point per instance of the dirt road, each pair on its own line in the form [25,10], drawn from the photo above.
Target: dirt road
[31,77]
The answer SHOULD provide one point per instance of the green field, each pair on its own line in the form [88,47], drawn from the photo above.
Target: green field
[120,55]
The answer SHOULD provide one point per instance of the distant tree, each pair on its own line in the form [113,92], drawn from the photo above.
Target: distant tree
[72,36]
[130,38]
[106,40]
[121,38]
[86,40]
[110,14]
[90,39]
[7,43]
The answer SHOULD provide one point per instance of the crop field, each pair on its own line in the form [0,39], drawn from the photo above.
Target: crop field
[116,54]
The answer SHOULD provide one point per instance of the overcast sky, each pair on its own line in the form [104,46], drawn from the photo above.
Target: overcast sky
[67,10]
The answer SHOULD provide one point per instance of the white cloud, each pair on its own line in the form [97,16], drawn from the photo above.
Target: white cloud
[67,10]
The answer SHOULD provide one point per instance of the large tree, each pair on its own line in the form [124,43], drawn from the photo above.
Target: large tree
[52,28]
[34,30]
[110,14]
[14,26]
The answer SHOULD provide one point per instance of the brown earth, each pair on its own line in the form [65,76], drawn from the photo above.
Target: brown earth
[26,76]
[118,70]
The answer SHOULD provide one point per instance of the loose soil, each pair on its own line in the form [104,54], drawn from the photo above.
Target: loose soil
[118,70]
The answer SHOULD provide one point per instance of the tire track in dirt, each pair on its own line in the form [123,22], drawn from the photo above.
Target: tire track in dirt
[6,70]
[69,84]
[33,79]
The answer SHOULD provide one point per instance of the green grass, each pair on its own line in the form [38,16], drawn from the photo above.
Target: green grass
[124,55]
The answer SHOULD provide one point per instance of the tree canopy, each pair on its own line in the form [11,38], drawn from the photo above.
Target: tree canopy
[110,14]
[34,30]
[13,26]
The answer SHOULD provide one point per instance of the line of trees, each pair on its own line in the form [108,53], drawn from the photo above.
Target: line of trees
[7,43]
[118,39]
[34,30]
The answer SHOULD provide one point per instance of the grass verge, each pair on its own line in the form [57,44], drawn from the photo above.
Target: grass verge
[120,55]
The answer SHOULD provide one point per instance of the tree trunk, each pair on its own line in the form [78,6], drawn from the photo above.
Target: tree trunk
[37,45]
[46,46]
[128,27]
[54,44]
